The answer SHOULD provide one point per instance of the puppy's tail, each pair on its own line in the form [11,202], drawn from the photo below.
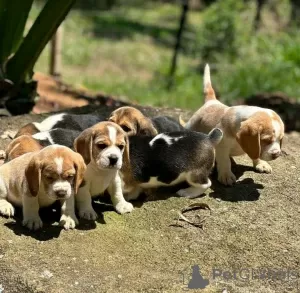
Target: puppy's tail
[215,136]
[209,93]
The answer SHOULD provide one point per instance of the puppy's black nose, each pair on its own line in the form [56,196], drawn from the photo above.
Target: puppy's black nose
[60,193]
[113,160]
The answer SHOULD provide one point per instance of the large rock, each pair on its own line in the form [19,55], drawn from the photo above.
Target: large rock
[252,225]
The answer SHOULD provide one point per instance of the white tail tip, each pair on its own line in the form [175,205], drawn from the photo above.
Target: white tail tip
[206,79]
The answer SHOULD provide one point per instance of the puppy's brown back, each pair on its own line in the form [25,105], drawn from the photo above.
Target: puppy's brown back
[21,145]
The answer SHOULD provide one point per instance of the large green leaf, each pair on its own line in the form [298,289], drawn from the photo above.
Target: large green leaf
[13,16]
[21,64]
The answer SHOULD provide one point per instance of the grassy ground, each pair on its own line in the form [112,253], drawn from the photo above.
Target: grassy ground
[127,52]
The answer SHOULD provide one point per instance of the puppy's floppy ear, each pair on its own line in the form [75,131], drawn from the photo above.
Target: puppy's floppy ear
[112,118]
[248,137]
[80,168]
[146,127]
[83,144]
[127,149]
[33,175]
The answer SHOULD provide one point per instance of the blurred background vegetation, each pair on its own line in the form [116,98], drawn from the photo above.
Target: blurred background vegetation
[124,47]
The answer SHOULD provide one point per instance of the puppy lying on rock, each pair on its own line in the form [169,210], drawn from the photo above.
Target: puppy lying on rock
[28,143]
[168,159]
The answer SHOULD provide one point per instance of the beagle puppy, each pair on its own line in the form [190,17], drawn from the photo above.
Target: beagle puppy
[29,143]
[134,122]
[102,146]
[169,159]
[77,122]
[256,131]
[38,179]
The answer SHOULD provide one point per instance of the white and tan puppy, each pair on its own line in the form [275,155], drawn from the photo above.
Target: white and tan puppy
[256,131]
[102,147]
[38,179]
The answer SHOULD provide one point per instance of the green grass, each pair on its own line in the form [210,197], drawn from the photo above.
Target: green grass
[127,52]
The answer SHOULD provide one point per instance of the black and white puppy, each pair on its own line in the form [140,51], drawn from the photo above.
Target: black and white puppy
[77,122]
[29,143]
[169,159]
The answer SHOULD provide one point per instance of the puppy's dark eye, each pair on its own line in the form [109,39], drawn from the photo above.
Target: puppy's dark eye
[121,147]
[101,146]
[49,177]
[125,128]
[70,176]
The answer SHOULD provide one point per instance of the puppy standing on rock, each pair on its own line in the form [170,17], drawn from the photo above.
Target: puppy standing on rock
[169,159]
[38,179]
[258,132]
[102,147]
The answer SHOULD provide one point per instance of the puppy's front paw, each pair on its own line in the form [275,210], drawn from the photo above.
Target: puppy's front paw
[68,221]
[227,178]
[123,207]
[88,213]
[6,208]
[263,167]
[33,223]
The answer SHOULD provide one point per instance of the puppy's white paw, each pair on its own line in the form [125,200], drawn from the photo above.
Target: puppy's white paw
[227,178]
[68,221]
[6,208]
[263,167]
[185,193]
[190,192]
[123,207]
[33,223]
[88,213]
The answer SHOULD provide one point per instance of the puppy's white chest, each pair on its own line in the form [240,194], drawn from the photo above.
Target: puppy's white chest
[98,185]
[99,181]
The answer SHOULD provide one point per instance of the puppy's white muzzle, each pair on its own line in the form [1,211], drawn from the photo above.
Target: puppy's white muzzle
[60,190]
[111,158]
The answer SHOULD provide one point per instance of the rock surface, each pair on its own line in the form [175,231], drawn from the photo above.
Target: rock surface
[254,224]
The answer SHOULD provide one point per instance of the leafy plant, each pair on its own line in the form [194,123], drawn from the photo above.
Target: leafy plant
[18,55]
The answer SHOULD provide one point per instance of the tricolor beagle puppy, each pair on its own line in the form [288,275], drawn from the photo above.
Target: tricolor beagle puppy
[169,159]
[29,143]
[258,132]
[134,122]
[38,179]
[77,122]
[102,147]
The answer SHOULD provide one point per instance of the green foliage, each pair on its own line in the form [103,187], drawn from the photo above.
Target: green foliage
[218,31]
[127,51]
[12,24]
[21,64]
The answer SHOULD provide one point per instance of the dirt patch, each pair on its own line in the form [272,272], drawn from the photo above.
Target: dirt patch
[254,224]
